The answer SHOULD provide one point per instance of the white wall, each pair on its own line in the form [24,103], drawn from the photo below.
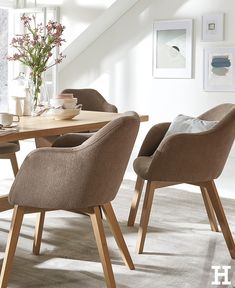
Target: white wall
[119,63]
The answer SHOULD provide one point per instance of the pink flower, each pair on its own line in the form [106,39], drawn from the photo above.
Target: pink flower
[26,20]
[34,48]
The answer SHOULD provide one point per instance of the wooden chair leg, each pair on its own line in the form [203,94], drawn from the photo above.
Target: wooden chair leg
[135,201]
[209,209]
[219,211]
[148,200]
[102,247]
[117,233]
[14,163]
[14,232]
[38,233]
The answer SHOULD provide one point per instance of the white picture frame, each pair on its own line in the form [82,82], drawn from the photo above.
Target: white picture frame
[172,48]
[219,69]
[213,27]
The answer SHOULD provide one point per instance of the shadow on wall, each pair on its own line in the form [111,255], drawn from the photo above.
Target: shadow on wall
[83,13]
[112,53]
[78,15]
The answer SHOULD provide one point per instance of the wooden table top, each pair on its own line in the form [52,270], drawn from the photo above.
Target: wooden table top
[34,127]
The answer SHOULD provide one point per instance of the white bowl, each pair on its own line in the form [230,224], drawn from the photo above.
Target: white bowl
[64,114]
[66,103]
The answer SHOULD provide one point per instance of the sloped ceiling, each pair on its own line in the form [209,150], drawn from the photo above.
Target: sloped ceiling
[95,29]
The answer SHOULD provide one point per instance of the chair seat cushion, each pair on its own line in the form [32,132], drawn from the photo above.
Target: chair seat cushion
[9,147]
[187,124]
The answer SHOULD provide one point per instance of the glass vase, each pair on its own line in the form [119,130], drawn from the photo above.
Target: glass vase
[38,96]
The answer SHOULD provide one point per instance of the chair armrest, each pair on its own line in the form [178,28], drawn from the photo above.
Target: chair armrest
[153,139]
[191,157]
[71,139]
[47,177]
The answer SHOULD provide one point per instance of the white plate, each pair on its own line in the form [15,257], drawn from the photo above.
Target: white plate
[63,114]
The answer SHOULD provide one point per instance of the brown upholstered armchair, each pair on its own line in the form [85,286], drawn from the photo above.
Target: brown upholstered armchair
[85,178]
[91,100]
[196,158]
[8,151]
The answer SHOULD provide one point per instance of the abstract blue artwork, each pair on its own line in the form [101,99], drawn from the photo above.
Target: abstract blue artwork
[219,69]
[220,65]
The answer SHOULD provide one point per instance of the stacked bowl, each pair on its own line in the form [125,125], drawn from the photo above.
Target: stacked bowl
[64,107]
[65,101]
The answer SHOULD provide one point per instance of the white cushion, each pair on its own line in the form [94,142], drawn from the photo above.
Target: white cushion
[187,124]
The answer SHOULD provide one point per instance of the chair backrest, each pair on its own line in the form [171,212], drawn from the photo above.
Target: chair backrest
[80,177]
[91,100]
[217,113]
[221,136]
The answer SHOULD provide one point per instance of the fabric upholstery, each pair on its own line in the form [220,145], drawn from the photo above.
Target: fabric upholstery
[9,147]
[153,139]
[91,100]
[217,113]
[187,124]
[189,157]
[77,177]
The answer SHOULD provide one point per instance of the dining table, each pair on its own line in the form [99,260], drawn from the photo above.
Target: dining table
[43,126]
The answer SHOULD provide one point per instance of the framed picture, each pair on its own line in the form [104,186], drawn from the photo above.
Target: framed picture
[213,27]
[219,69]
[172,49]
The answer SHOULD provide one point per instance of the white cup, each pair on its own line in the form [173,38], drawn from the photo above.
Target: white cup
[6,119]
